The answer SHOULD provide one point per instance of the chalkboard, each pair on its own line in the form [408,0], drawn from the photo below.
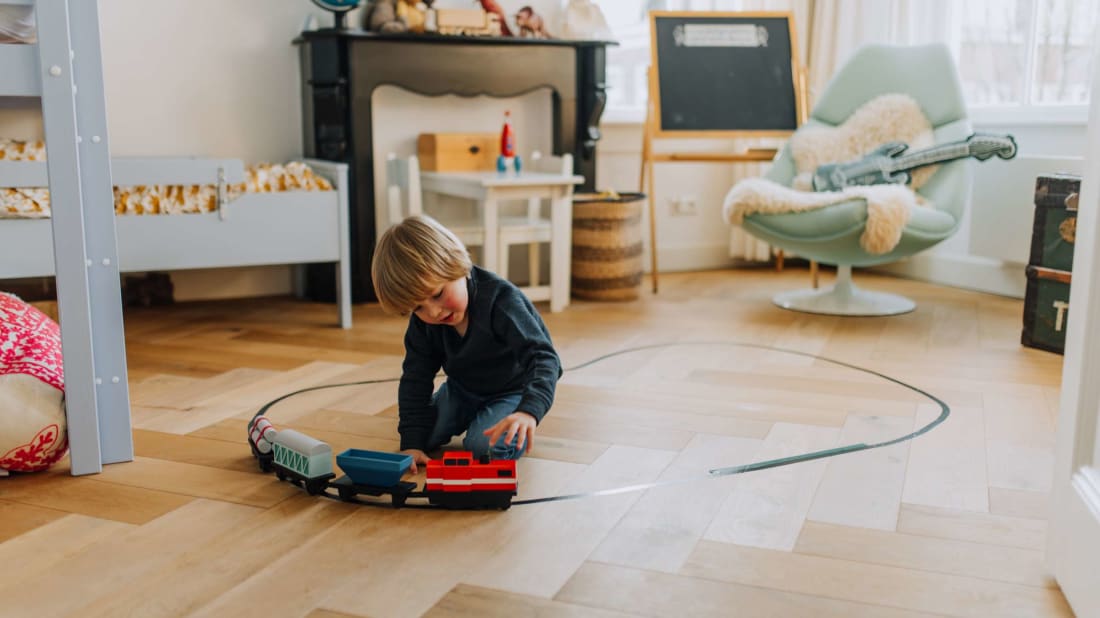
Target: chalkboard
[724,73]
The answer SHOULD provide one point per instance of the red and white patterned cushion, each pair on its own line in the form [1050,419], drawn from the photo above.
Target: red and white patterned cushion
[32,388]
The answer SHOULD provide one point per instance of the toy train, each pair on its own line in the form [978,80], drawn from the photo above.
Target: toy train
[463,482]
[457,481]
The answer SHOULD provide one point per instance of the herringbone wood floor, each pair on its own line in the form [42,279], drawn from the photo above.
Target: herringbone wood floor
[952,523]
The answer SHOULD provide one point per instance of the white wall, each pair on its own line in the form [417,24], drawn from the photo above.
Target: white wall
[196,77]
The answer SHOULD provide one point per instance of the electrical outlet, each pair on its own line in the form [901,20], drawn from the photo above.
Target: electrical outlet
[682,206]
[688,206]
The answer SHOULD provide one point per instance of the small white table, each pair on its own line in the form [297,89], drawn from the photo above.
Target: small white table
[489,188]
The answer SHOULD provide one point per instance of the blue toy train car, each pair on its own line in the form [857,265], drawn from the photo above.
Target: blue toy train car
[373,473]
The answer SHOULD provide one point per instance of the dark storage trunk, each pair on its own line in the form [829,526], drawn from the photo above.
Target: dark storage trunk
[1046,304]
[1053,235]
[1046,309]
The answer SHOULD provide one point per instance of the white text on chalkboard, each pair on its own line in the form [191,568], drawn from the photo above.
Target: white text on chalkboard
[720,35]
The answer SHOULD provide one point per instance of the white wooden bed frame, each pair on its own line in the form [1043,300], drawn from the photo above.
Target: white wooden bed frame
[290,227]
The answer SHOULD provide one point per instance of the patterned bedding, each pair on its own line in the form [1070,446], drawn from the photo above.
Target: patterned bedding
[23,203]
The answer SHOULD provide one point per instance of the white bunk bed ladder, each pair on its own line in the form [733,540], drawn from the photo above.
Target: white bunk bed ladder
[69,80]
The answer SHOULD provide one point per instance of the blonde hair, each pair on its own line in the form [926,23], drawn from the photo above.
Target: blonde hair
[412,259]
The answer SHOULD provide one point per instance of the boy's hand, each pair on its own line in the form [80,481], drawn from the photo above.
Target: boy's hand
[518,423]
[419,457]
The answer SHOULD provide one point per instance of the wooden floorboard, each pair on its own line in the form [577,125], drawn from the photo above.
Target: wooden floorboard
[951,523]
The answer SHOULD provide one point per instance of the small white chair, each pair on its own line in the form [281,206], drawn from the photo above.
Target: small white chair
[403,199]
[403,195]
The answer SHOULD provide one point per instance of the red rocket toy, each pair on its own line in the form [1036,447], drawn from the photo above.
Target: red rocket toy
[491,6]
[508,158]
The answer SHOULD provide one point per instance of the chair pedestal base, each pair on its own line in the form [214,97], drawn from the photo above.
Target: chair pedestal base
[844,298]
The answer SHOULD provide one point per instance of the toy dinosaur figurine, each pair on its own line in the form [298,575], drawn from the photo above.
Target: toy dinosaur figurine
[491,6]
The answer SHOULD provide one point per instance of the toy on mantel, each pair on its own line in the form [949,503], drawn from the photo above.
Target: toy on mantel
[585,20]
[531,24]
[414,17]
[508,159]
[338,8]
[394,16]
[491,6]
[467,22]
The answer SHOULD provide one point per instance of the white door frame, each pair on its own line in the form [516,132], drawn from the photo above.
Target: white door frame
[1073,534]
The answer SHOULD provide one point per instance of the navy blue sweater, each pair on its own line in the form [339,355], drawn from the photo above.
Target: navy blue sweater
[506,349]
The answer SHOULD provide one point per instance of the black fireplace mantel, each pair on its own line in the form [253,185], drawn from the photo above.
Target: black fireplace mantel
[342,68]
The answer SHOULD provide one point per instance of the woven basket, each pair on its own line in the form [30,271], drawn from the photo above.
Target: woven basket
[607,246]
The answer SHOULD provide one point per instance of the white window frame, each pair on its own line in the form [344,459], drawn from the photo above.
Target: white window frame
[1024,114]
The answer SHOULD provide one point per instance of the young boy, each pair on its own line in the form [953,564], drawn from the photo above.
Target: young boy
[501,366]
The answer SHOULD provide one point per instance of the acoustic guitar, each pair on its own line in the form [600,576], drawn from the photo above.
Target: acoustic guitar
[888,164]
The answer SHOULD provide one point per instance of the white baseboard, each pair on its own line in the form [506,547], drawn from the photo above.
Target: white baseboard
[960,271]
[963,271]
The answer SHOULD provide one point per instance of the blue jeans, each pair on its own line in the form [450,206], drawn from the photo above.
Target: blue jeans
[459,410]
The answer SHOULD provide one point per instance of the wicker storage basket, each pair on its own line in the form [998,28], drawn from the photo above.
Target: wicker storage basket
[607,246]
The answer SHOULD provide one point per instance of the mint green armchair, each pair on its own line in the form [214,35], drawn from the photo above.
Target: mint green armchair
[831,235]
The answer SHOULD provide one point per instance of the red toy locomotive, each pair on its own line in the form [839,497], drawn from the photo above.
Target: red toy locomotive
[461,481]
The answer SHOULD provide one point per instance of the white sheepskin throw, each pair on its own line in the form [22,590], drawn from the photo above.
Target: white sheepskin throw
[887,118]
[32,387]
[887,207]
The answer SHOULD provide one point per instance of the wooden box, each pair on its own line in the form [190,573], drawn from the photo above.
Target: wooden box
[1046,309]
[457,152]
[1055,228]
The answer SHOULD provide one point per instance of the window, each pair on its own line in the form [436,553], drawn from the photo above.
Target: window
[1024,53]
[627,62]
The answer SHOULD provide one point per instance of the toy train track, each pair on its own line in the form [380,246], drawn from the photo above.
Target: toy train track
[459,480]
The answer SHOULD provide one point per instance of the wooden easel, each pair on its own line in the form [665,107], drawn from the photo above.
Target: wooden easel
[652,129]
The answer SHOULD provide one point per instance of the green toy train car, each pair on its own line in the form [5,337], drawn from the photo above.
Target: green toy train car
[304,460]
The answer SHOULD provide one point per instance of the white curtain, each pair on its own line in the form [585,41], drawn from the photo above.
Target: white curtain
[839,27]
